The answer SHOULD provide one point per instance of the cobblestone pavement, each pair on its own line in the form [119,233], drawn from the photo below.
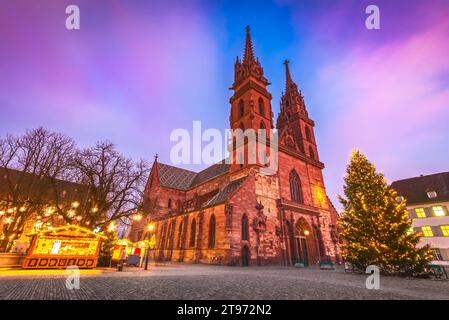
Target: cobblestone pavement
[182,281]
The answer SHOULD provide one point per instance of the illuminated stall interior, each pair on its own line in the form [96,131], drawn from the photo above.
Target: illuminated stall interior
[61,247]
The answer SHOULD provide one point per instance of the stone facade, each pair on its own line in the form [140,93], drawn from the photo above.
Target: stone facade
[237,214]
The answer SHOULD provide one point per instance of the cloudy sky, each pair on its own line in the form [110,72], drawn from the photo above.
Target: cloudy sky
[136,70]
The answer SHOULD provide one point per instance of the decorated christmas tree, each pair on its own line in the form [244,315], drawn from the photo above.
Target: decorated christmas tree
[375,225]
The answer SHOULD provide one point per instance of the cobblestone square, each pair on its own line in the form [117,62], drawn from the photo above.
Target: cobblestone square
[197,282]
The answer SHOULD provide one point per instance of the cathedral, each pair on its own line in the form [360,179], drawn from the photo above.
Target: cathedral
[235,214]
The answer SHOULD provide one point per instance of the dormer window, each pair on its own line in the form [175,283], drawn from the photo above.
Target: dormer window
[431,194]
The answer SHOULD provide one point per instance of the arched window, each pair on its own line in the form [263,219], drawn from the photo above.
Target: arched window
[241,108]
[171,234]
[192,233]
[295,187]
[181,225]
[308,136]
[169,203]
[212,231]
[262,125]
[163,237]
[311,153]
[245,230]
[261,107]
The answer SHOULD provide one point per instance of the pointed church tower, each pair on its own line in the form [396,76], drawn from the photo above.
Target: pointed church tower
[293,122]
[251,102]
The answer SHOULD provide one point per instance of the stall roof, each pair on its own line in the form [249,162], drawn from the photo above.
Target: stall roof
[72,231]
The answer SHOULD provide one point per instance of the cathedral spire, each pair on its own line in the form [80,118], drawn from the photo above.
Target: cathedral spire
[290,85]
[250,67]
[248,55]
[288,77]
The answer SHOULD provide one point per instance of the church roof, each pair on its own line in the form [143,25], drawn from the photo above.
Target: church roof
[224,193]
[415,189]
[178,178]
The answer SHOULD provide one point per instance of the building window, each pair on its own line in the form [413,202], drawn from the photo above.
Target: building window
[420,213]
[241,108]
[169,203]
[431,194]
[180,234]
[245,227]
[163,237]
[311,153]
[308,136]
[171,234]
[212,232]
[295,187]
[437,254]
[261,107]
[262,125]
[445,230]
[427,231]
[438,211]
[192,233]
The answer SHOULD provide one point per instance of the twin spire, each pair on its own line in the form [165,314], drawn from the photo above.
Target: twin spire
[248,55]
[251,67]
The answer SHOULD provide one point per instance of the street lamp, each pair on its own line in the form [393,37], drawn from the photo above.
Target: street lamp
[147,246]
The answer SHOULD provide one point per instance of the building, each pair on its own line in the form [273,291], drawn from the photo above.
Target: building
[29,203]
[428,205]
[234,214]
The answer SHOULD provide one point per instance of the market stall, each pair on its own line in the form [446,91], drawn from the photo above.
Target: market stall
[61,247]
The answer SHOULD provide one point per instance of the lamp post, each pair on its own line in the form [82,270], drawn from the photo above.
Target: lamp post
[147,247]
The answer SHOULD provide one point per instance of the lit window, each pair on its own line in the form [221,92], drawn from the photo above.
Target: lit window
[437,254]
[420,213]
[438,211]
[427,231]
[431,194]
[445,230]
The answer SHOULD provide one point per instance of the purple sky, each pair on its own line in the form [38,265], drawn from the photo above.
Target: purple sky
[139,69]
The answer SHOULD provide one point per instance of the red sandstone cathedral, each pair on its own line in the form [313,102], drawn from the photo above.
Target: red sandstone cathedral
[233,214]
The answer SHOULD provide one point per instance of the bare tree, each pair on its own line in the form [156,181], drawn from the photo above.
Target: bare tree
[115,183]
[30,166]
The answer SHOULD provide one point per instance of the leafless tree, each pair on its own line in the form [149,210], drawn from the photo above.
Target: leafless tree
[115,184]
[30,166]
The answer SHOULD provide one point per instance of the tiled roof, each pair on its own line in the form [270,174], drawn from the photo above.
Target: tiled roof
[209,173]
[178,178]
[415,189]
[174,177]
[224,193]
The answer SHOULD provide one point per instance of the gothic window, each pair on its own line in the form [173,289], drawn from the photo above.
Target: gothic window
[192,233]
[178,245]
[212,232]
[171,235]
[163,237]
[261,107]
[241,108]
[245,230]
[295,187]
[308,136]
[311,153]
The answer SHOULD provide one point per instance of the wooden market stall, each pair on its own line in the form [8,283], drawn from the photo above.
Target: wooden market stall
[61,247]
